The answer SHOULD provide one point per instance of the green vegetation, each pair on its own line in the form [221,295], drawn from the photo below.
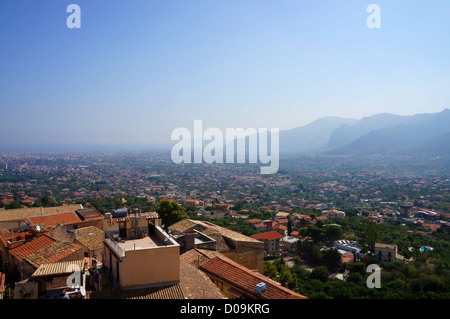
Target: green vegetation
[398,280]
[322,233]
[170,212]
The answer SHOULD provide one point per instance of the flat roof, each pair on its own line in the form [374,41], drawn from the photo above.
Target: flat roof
[141,243]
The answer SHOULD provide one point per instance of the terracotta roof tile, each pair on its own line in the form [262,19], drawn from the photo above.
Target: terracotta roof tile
[196,285]
[246,280]
[43,249]
[22,213]
[271,235]
[14,236]
[50,220]
[197,255]
[166,292]
[90,236]
[254,221]
[32,246]
[52,253]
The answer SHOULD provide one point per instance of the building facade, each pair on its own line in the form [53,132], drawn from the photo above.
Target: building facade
[385,252]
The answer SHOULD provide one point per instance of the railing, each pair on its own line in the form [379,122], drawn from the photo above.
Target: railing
[110,240]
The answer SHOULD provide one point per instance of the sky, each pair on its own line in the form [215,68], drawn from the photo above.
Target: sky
[137,70]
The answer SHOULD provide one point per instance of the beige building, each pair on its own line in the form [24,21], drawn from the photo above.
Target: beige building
[242,249]
[15,218]
[385,252]
[195,202]
[281,215]
[333,213]
[138,253]
[272,241]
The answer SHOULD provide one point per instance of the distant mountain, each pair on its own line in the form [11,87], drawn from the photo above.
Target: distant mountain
[348,133]
[311,137]
[438,145]
[418,133]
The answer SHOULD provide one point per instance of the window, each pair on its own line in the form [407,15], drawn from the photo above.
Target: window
[122,229]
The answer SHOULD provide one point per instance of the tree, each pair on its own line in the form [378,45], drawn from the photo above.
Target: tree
[333,233]
[314,232]
[320,273]
[238,206]
[47,201]
[332,258]
[371,234]
[310,252]
[358,267]
[170,212]
[285,275]
[355,277]
[270,270]
[289,227]
[13,205]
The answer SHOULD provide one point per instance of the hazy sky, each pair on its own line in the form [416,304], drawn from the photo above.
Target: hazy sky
[136,70]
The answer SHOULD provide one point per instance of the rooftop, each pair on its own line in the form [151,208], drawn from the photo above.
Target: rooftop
[90,236]
[166,292]
[246,280]
[140,243]
[195,284]
[58,268]
[224,237]
[386,246]
[44,249]
[22,213]
[53,219]
[271,235]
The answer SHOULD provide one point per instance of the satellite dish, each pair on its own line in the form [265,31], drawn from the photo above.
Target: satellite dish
[38,228]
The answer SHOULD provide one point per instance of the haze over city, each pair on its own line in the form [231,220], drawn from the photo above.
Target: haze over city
[134,72]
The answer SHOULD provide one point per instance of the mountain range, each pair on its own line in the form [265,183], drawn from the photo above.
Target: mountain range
[382,134]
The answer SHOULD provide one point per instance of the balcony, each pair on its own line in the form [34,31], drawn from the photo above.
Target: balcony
[132,243]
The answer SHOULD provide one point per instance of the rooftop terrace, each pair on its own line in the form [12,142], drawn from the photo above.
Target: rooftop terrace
[141,243]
